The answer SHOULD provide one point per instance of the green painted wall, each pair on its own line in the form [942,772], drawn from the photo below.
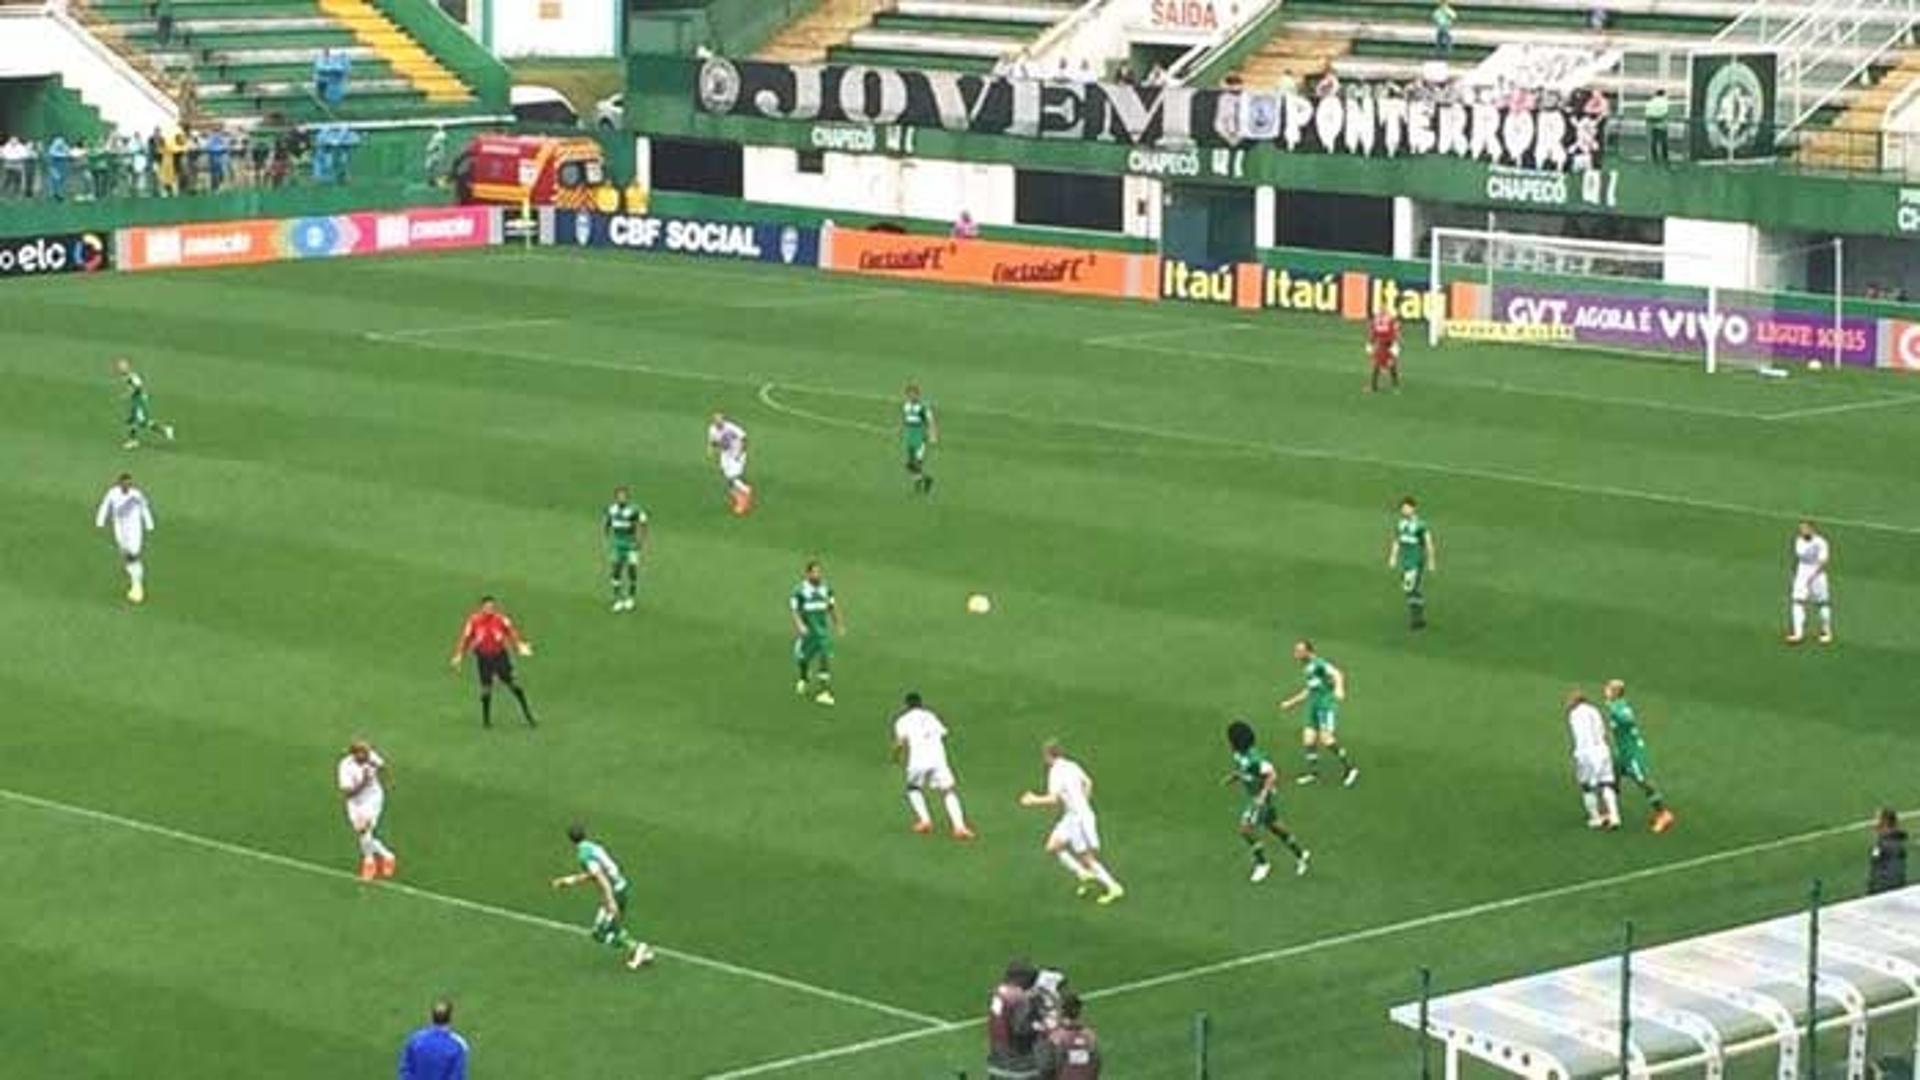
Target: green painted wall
[41,106]
[720,208]
[728,27]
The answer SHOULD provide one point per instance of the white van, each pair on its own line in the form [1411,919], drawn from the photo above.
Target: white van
[543,106]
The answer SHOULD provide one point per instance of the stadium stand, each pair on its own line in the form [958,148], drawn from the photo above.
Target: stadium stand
[1393,41]
[244,61]
[963,35]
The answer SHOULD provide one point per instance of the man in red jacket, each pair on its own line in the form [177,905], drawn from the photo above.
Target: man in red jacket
[1383,346]
[489,635]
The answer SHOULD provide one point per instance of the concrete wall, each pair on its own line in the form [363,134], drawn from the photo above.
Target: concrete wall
[37,44]
[578,28]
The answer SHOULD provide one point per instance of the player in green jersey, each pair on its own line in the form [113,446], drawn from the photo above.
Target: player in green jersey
[918,431]
[1261,780]
[1324,689]
[1411,552]
[610,920]
[1630,752]
[139,407]
[625,528]
[816,619]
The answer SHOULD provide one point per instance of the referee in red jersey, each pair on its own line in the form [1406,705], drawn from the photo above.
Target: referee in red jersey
[491,638]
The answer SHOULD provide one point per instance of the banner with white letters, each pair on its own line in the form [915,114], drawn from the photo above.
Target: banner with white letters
[1359,122]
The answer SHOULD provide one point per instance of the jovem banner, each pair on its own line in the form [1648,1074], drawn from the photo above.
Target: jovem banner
[1368,125]
[1730,106]
[54,253]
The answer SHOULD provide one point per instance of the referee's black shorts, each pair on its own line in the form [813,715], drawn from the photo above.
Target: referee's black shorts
[493,666]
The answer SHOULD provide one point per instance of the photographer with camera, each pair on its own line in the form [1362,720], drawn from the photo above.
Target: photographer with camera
[1016,1019]
[1072,1049]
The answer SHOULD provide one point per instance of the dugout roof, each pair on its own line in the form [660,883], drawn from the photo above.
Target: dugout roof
[1697,1002]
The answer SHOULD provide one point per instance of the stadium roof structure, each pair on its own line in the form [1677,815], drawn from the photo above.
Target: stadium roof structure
[1698,1002]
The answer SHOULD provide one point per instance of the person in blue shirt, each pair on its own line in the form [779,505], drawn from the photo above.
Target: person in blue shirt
[435,1052]
[56,166]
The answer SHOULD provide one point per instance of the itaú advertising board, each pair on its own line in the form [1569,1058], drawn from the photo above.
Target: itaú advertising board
[242,243]
[1029,267]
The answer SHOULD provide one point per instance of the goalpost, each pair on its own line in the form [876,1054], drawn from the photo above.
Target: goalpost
[1609,295]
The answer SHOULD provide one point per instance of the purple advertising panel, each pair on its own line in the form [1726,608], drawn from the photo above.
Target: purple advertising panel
[1683,326]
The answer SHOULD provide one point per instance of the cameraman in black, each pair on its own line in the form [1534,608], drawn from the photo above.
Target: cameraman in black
[1015,1019]
[1887,866]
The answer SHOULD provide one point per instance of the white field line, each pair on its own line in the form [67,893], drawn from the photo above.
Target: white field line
[841,1051]
[767,399]
[1334,941]
[455,328]
[1886,401]
[1306,453]
[208,843]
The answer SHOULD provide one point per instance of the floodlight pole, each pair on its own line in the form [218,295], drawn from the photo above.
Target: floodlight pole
[1813,982]
[1626,1001]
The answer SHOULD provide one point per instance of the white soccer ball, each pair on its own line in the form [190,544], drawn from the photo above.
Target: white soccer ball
[1815,365]
[978,604]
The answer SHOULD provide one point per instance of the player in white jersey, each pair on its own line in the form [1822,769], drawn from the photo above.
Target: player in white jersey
[359,779]
[124,509]
[727,441]
[1593,762]
[1811,554]
[1075,839]
[920,737]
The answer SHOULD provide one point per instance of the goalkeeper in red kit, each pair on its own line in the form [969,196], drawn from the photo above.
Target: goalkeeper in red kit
[1383,347]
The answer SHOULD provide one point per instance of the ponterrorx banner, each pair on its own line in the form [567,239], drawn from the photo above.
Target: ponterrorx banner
[1359,122]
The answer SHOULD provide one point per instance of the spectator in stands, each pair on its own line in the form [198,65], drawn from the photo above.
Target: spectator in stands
[1325,82]
[1597,18]
[1123,74]
[216,160]
[1071,1050]
[14,156]
[177,165]
[162,11]
[1658,109]
[435,1052]
[1887,864]
[56,166]
[1086,74]
[1013,1025]
[965,228]
[1443,19]
[138,164]
[1597,105]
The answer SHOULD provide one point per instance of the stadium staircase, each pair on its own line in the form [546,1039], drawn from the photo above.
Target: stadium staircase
[1392,40]
[961,35]
[252,60]
[1851,143]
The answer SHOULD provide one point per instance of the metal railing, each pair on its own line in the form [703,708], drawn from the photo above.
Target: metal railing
[1830,46]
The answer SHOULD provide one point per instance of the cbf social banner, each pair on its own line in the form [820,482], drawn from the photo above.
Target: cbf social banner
[1359,123]
[790,245]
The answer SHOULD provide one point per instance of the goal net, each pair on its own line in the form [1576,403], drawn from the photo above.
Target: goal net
[1596,294]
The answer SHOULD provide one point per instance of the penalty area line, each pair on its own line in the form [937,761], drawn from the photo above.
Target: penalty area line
[1334,941]
[285,862]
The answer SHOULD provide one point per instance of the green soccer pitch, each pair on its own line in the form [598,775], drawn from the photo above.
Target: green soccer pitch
[1158,499]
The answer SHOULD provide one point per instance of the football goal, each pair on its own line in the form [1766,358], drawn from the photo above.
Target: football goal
[1602,294]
